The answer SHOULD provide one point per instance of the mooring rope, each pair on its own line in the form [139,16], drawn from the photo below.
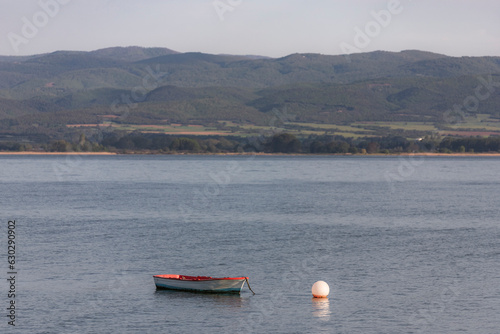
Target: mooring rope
[248,284]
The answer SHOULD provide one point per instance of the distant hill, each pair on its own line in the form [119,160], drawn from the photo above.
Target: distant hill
[389,99]
[132,53]
[68,72]
[40,93]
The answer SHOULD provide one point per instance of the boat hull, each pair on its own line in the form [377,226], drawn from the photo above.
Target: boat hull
[199,284]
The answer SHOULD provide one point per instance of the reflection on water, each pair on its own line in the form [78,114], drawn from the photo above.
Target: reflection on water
[203,308]
[218,300]
[321,308]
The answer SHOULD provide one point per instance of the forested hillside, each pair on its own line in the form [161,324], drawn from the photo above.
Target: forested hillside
[57,96]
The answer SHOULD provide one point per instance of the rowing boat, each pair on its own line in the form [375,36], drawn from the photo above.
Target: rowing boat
[200,283]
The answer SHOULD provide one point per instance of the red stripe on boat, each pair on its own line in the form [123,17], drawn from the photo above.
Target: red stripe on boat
[198,278]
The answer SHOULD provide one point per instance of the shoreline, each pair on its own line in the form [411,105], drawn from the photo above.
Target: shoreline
[423,154]
[57,153]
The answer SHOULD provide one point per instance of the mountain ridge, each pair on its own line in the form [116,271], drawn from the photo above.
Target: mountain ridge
[132,85]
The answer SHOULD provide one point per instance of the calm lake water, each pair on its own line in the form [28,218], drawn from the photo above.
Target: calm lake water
[407,245]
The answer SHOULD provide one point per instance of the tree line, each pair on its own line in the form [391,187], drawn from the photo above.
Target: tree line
[137,142]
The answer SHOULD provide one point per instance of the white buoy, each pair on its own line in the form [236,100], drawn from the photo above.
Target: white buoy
[320,289]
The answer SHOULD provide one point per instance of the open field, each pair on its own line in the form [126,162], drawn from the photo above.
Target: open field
[173,129]
[481,122]
[297,129]
[479,125]
[407,126]
[469,133]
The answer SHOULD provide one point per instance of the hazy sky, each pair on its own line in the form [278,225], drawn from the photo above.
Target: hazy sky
[262,27]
